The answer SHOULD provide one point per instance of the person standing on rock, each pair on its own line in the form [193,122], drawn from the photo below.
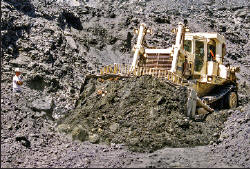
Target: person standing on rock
[17,83]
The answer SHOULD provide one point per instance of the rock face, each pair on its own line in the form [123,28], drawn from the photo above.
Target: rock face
[57,43]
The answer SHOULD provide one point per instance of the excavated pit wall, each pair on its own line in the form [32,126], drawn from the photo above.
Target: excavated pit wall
[144,113]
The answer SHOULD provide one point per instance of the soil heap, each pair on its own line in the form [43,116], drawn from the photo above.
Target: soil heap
[145,113]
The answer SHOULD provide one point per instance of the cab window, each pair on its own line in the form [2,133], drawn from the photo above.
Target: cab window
[188,45]
[199,55]
[223,50]
[211,51]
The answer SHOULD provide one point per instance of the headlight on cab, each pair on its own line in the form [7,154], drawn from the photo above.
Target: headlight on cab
[209,78]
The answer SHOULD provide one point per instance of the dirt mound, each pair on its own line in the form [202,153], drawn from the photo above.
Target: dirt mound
[145,113]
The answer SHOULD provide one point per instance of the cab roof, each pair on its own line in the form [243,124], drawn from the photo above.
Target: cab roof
[203,35]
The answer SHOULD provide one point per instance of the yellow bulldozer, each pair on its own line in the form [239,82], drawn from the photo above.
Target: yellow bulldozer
[194,61]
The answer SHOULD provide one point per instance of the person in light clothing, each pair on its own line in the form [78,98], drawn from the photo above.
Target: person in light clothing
[17,81]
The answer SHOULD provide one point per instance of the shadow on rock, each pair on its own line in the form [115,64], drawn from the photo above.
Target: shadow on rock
[24,141]
[25,6]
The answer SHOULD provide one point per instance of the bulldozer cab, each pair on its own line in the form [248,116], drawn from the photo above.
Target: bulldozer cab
[204,52]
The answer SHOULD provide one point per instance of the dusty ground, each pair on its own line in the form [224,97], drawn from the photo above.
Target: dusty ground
[56,44]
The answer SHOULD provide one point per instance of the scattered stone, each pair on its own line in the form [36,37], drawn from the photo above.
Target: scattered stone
[79,133]
[114,127]
[63,128]
[94,138]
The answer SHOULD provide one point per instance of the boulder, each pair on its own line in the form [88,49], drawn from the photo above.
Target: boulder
[43,104]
